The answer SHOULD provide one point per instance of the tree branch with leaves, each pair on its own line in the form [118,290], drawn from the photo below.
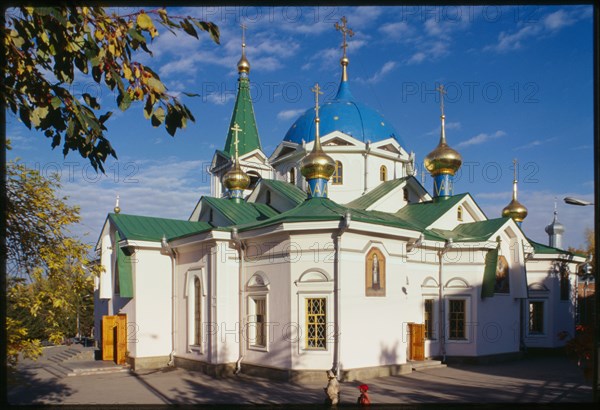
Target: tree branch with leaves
[46,46]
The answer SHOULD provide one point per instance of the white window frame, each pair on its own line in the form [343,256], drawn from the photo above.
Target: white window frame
[190,294]
[251,312]
[434,316]
[468,325]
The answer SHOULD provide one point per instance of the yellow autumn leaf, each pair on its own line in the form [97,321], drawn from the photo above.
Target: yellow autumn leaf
[144,21]
[127,72]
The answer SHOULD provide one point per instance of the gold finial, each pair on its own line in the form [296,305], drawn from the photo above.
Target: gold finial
[346,31]
[243,64]
[117,209]
[515,209]
[317,164]
[514,179]
[443,159]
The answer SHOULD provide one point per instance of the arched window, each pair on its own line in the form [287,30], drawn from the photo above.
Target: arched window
[197,312]
[268,198]
[459,213]
[383,173]
[292,176]
[405,194]
[254,178]
[338,176]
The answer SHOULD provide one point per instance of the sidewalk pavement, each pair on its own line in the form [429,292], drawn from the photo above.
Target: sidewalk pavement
[531,380]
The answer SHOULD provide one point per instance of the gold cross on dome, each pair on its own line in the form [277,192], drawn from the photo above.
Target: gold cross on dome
[442,91]
[317,90]
[515,168]
[236,129]
[345,31]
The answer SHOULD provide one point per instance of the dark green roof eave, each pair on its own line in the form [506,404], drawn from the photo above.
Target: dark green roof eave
[542,249]
[153,229]
[324,209]
[240,212]
[368,199]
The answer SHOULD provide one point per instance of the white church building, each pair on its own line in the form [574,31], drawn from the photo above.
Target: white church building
[330,254]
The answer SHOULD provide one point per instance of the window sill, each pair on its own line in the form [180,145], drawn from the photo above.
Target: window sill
[195,349]
[258,348]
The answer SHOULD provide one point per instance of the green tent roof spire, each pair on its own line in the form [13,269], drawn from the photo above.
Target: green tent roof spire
[243,112]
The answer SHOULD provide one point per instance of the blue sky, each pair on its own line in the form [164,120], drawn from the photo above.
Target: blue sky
[519,83]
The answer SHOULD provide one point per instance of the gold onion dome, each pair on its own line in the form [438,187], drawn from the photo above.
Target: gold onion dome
[243,64]
[515,210]
[236,178]
[317,164]
[443,159]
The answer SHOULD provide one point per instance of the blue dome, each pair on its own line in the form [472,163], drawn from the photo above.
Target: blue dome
[343,114]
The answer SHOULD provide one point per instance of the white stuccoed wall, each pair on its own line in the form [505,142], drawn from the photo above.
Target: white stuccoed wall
[149,331]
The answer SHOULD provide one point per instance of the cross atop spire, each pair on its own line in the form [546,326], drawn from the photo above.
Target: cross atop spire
[514,161]
[317,90]
[442,91]
[236,141]
[346,31]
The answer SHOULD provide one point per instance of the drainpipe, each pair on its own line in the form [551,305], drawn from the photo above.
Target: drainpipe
[171,252]
[366,154]
[442,319]
[236,239]
[337,277]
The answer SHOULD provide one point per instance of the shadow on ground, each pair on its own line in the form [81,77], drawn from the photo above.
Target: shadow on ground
[27,387]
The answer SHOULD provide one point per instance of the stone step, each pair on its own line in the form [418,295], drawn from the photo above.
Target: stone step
[98,367]
[56,370]
[426,365]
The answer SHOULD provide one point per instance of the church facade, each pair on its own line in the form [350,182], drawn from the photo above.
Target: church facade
[329,254]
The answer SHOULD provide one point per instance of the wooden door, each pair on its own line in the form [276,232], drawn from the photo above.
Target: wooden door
[108,337]
[121,339]
[417,341]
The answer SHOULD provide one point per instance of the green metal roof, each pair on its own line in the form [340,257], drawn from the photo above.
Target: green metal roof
[548,250]
[240,212]
[368,199]
[324,209]
[423,214]
[470,232]
[286,189]
[147,228]
[243,115]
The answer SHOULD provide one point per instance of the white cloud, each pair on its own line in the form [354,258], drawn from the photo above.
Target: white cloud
[287,115]
[397,30]
[481,138]
[449,126]
[558,20]
[535,143]
[547,26]
[386,68]
[219,98]
[168,188]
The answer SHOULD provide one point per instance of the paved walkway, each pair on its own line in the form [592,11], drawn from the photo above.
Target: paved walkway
[531,380]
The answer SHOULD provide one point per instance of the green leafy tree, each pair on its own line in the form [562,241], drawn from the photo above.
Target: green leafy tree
[46,46]
[49,272]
